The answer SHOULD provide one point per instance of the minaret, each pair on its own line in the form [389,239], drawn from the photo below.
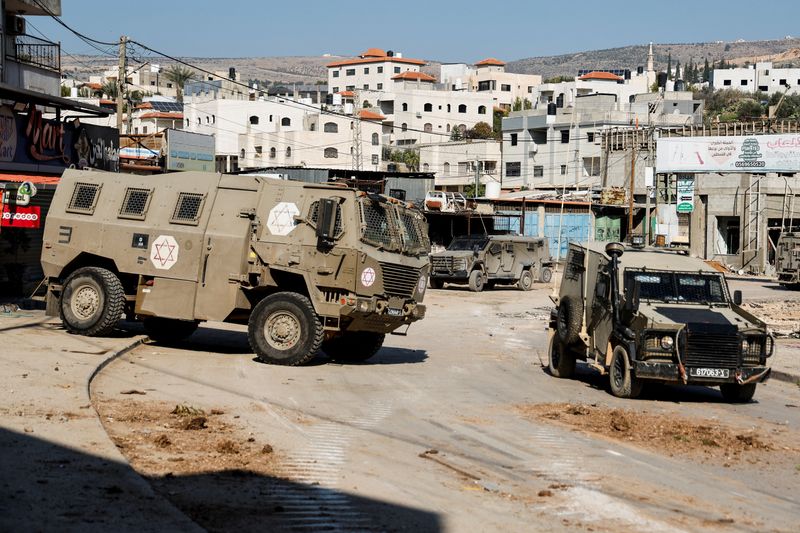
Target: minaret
[651,71]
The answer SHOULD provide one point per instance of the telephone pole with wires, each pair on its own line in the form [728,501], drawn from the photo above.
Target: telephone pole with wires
[121,75]
[356,130]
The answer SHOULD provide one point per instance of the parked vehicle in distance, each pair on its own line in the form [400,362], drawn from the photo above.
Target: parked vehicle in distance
[643,315]
[787,260]
[484,261]
[305,266]
[446,202]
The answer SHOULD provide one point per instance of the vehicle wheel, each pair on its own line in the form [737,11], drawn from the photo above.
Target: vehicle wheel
[562,360]
[353,347]
[735,393]
[476,281]
[546,275]
[525,282]
[436,283]
[620,376]
[568,323]
[284,329]
[168,329]
[92,302]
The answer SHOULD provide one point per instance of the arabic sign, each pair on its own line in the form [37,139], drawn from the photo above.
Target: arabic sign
[189,151]
[685,196]
[753,153]
[21,217]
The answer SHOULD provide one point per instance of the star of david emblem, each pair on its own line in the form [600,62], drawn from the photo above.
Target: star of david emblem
[368,277]
[281,218]
[164,256]
[164,252]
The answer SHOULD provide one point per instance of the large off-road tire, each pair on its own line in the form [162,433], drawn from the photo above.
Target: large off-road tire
[476,281]
[569,318]
[168,329]
[284,329]
[436,283]
[92,302]
[735,393]
[525,282]
[353,347]
[621,380]
[561,360]
[546,274]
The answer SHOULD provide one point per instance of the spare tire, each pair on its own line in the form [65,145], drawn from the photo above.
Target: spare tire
[570,317]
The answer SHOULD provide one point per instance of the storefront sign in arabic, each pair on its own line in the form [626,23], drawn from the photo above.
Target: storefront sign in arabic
[685,196]
[752,153]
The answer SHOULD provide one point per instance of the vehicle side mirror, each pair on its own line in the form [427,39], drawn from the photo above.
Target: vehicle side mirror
[326,218]
[633,298]
[737,297]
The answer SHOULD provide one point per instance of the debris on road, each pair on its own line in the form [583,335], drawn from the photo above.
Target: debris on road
[782,316]
[133,391]
[187,410]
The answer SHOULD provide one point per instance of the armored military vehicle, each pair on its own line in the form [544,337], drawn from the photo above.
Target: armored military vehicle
[304,266]
[641,315]
[787,260]
[484,261]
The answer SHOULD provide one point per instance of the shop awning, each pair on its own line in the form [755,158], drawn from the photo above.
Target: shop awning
[47,182]
[18,94]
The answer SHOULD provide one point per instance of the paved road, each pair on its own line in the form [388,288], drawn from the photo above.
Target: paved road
[355,435]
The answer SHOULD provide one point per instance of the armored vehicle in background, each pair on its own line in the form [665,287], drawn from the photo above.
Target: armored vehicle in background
[787,260]
[642,315]
[487,260]
[304,266]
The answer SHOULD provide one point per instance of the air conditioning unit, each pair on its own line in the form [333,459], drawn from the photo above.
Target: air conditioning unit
[15,25]
[534,148]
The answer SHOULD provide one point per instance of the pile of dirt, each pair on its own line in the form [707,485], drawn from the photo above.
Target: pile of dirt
[159,439]
[671,435]
[782,317]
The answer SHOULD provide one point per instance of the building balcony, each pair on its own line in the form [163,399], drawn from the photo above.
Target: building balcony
[31,50]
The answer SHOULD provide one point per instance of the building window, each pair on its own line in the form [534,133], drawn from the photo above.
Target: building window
[462,108]
[564,136]
[272,152]
[590,136]
[366,87]
[426,167]
[481,109]
[375,139]
[366,70]
[782,82]
[428,127]
[144,129]
[428,108]
[213,119]
[404,127]
[253,119]
[538,171]
[743,82]
[335,73]
[405,106]
[513,139]
[374,159]
[486,85]
[350,88]
[513,169]
[397,70]
[530,89]
[169,86]
[446,168]
[448,108]
[152,83]
[208,119]
[563,170]
[380,86]
[242,153]
[187,122]
[380,70]
[350,72]
[288,152]
[505,87]
[259,150]
[763,88]
[330,127]
[448,128]
[331,153]
[335,90]
[286,121]
[726,82]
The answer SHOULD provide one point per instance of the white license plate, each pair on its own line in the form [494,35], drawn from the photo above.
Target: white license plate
[722,373]
[394,312]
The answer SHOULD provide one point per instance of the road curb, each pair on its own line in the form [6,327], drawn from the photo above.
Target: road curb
[784,376]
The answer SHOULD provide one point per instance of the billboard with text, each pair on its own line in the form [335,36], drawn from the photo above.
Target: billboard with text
[751,153]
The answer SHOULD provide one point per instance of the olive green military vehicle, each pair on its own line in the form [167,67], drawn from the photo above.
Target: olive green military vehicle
[787,260]
[304,266]
[645,315]
[484,261]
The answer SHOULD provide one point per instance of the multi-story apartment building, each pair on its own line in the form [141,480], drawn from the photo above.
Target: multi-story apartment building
[759,77]
[149,80]
[490,76]
[455,164]
[372,70]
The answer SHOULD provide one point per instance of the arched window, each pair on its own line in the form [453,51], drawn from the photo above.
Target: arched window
[448,128]
[447,168]
[428,108]
[208,119]
[199,120]
[242,153]
[187,122]
[404,127]
[272,152]
[270,118]
[428,127]
[286,121]
[253,119]
[331,127]
[331,153]
[213,119]
[462,108]
[481,109]
[426,167]
[288,152]
[313,126]
[375,139]
[405,106]
[448,108]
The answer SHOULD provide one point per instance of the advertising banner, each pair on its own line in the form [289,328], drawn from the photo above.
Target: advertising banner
[751,153]
[190,151]
[21,217]
[685,196]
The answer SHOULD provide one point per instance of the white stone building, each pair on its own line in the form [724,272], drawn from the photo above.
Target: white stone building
[490,76]
[455,163]
[759,77]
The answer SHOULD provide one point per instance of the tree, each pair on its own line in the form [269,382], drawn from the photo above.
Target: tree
[110,89]
[408,157]
[481,130]
[678,70]
[558,79]
[456,134]
[706,72]
[669,65]
[497,121]
[526,104]
[65,91]
[179,75]
[517,105]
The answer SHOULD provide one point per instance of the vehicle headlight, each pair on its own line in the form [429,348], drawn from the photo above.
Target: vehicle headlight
[745,345]
[667,342]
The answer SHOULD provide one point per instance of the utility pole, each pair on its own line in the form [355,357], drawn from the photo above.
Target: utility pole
[121,80]
[356,130]
[633,173]
[477,177]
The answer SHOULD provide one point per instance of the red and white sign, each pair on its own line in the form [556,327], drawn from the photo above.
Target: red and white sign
[368,277]
[17,216]
[164,252]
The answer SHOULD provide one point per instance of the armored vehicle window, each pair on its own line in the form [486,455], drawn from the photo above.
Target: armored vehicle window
[135,203]
[414,236]
[678,286]
[468,244]
[84,198]
[313,216]
[187,210]
[377,227]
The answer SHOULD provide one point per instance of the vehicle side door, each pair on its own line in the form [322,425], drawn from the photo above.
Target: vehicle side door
[509,258]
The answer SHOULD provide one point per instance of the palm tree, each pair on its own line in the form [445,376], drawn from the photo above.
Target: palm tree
[179,75]
[110,89]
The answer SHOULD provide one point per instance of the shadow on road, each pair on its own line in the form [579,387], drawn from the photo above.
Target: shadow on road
[48,487]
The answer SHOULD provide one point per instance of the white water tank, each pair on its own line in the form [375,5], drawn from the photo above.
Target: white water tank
[492,190]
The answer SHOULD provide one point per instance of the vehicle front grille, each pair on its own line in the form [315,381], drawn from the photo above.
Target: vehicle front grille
[711,346]
[448,263]
[399,280]
[756,347]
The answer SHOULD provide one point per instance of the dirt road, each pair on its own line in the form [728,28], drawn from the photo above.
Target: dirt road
[445,429]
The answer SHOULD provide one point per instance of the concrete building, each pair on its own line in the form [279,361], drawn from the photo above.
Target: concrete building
[372,70]
[149,80]
[490,76]
[759,77]
[455,163]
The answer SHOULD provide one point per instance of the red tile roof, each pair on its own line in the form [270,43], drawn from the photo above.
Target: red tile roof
[161,114]
[93,85]
[414,76]
[366,114]
[490,61]
[145,105]
[361,60]
[600,76]
[346,94]
[374,52]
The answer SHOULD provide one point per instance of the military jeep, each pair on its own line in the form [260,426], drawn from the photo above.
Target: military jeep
[484,261]
[787,260]
[643,315]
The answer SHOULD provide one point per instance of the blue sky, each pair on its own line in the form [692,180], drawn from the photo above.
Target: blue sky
[445,30]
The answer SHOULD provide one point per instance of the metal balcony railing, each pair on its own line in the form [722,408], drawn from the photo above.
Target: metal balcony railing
[37,52]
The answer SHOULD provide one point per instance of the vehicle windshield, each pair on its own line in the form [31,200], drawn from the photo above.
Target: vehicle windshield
[468,244]
[678,286]
[393,227]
